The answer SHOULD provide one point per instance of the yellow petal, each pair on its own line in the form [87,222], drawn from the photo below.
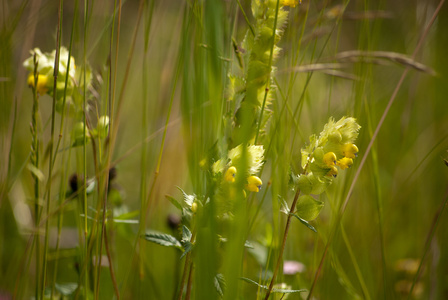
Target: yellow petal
[330,159]
[230,174]
[349,150]
[254,184]
[345,163]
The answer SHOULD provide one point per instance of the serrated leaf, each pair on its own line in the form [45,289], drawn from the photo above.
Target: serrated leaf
[220,284]
[308,208]
[283,205]
[174,202]
[305,222]
[187,248]
[186,234]
[163,239]
[265,287]
[248,244]
[66,289]
[189,199]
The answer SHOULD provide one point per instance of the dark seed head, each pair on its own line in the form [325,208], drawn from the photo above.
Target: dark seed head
[73,182]
[173,221]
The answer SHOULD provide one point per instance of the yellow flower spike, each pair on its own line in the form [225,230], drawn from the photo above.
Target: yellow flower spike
[349,150]
[330,159]
[333,172]
[254,184]
[42,80]
[229,176]
[345,163]
[291,3]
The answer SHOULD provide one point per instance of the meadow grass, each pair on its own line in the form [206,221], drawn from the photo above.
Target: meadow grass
[135,206]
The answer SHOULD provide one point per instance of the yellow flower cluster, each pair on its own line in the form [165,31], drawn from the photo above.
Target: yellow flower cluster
[333,148]
[254,183]
[254,159]
[45,70]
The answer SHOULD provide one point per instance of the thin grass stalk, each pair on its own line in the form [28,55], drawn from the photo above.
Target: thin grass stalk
[190,280]
[188,266]
[50,162]
[280,255]
[144,150]
[372,140]
[69,61]
[429,239]
[358,272]
[84,152]
[34,157]
[60,220]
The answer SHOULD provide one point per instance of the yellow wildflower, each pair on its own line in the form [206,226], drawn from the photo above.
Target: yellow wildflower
[253,184]
[330,159]
[345,163]
[230,174]
[349,150]
[333,171]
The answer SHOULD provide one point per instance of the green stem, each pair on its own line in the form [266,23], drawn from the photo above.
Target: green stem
[50,162]
[35,161]
[270,70]
[280,256]
[431,233]
[188,265]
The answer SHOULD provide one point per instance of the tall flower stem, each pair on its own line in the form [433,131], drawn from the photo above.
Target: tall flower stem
[35,162]
[282,249]
[188,266]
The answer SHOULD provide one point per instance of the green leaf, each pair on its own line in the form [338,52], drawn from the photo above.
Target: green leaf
[174,202]
[163,239]
[36,172]
[308,208]
[66,289]
[90,188]
[188,246]
[220,284]
[284,208]
[305,222]
[186,234]
[265,287]
[304,184]
[189,199]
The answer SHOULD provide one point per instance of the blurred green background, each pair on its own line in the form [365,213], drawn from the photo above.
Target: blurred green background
[395,201]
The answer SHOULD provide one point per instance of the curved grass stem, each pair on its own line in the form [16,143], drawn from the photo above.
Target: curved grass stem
[282,249]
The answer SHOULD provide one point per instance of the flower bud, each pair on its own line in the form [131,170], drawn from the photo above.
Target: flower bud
[330,159]
[345,163]
[335,136]
[194,207]
[78,134]
[254,184]
[103,126]
[350,150]
[229,176]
